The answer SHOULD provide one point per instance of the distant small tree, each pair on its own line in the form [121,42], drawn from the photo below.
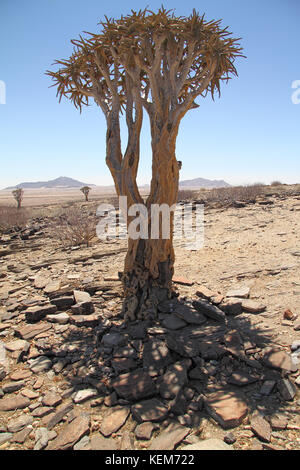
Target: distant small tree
[86,190]
[18,195]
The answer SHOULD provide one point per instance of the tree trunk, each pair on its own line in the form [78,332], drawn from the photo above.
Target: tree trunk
[149,263]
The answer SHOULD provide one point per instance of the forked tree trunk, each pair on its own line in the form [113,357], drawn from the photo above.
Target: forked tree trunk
[149,263]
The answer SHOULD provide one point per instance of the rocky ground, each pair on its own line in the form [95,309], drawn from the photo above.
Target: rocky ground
[218,368]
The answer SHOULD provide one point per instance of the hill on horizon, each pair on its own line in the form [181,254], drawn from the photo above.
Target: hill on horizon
[65,182]
[61,182]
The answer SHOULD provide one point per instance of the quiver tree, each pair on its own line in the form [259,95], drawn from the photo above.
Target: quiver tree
[18,195]
[159,63]
[85,190]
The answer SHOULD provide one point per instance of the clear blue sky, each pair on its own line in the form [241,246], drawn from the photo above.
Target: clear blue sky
[250,134]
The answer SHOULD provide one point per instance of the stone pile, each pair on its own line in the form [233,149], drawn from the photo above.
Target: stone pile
[74,376]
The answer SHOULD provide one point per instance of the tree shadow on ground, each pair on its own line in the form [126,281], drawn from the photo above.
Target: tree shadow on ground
[215,357]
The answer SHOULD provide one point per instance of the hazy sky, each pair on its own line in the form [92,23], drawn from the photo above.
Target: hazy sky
[250,134]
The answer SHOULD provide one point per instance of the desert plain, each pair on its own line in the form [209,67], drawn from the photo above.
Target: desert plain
[219,367]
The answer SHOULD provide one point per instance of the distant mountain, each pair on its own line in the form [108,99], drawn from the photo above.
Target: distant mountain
[202,183]
[198,183]
[61,182]
[65,182]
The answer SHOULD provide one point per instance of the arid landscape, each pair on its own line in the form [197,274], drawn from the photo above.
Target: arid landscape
[218,368]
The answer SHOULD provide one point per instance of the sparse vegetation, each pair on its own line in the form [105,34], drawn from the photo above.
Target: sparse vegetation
[276,183]
[74,227]
[12,218]
[186,194]
[234,194]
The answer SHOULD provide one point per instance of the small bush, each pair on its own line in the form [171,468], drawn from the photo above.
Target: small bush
[234,193]
[12,218]
[276,183]
[74,227]
[186,195]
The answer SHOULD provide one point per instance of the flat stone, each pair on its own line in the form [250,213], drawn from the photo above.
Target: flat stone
[149,410]
[169,438]
[83,395]
[84,320]
[208,444]
[134,385]
[112,340]
[41,438]
[15,425]
[209,310]
[30,331]
[144,430]
[83,308]
[21,436]
[127,441]
[40,364]
[174,379]
[267,387]
[231,306]
[173,322]
[60,318]
[168,306]
[21,374]
[64,302]
[114,421]
[205,293]
[16,345]
[30,394]
[278,360]
[261,428]
[35,314]
[51,399]
[156,355]
[189,315]
[10,387]
[52,286]
[286,389]
[278,423]
[15,403]
[241,292]
[123,364]
[41,411]
[5,437]
[102,443]
[41,281]
[81,296]
[38,383]
[56,417]
[241,378]
[227,408]
[182,280]
[252,306]
[71,434]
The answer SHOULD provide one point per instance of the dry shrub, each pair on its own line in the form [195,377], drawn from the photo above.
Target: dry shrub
[235,193]
[186,195]
[74,227]
[12,219]
[276,183]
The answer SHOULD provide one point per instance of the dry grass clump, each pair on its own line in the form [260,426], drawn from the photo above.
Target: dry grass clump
[234,194]
[186,195]
[74,227]
[13,219]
